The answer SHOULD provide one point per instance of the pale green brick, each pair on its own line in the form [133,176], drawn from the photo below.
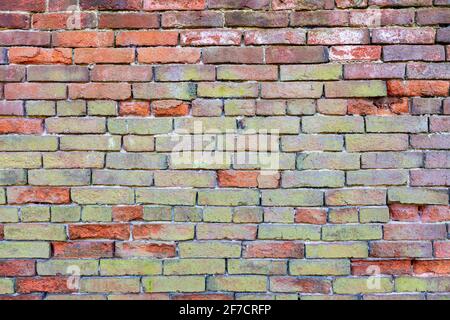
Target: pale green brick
[26,160]
[138,143]
[10,177]
[166,196]
[328,160]
[376,142]
[185,73]
[397,123]
[6,286]
[352,232]
[301,107]
[9,214]
[65,213]
[194,266]
[40,108]
[217,214]
[332,124]
[238,107]
[174,284]
[22,249]
[122,178]
[374,215]
[56,160]
[91,142]
[28,143]
[274,125]
[71,108]
[292,198]
[197,161]
[187,214]
[332,106]
[77,297]
[312,142]
[158,91]
[92,195]
[337,250]
[350,89]
[264,161]
[247,283]
[363,285]
[64,177]
[35,214]
[419,284]
[197,179]
[248,215]
[279,215]
[228,197]
[377,177]
[133,161]
[67,267]
[209,249]
[355,197]
[257,266]
[418,195]
[35,232]
[212,125]
[96,214]
[319,267]
[110,285]
[314,179]
[157,213]
[144,126]
[102,108]
[343,215]
[227,90]
[392,160]
[289,232]
[133,267]
[311,72]
[76,125]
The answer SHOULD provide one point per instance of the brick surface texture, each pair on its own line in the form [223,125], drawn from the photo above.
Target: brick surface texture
[95,205]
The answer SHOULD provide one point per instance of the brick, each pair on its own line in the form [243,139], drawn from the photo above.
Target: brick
[21,126]
[82,39]
[212,38]
[122,178]
[304,285]
[327,160]
[374,71]
[361,285]
[275,36]
[239,4]
[356,53]
[273,249]
[237,283]
[400,212]
[290,55]
[376,142]
[313,267]
[23,5]
[291,90]
[426,106]
[147,38]
[256,19]
[431,266]
[14,268]
[121,73]
[166,196]
[355,197]
[428,71]
[389,267]
[114,91]
[418,196]
[130,267]
[403,35]
[437,177]
[263,267]
[168,55]
[381,106]
[443,35]
[312,143]
[55,21]
[106,285]
[440,124]
[435,213]
[430,141]
[99,195]
[35,91]
[139,126]
[400,249]
[413,52]
[377,18]
[69,160]
[141,249]
[166,232]
[22,195]
[194,266]
[244,72]
[338,36]
[209,249]
[437,159]
[110,5]
[99,231]
[373,215]
[76,125]
[24,38]
[433,16]
[295,179]
[442,249]
[192,19]
[62,267]
[49,284]
[103,55]
[25,250]
[131,20]
[414,284]
[174,284]
[397,124]
[57,177]
[185,73]
[158,5]
[292,198]
[414,232]
[350,89]
[181,91]
[315,72]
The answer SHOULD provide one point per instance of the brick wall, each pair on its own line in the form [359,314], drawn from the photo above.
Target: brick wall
[95,203]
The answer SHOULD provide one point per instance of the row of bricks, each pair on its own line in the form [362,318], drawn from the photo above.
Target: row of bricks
[219,19]
[225,249]
[173,73]
[275,125]
[233,283]
[211,37]
[226,179]
[224,231]
[320,216]
[249,55]
[188,91]
[225,197]
[227,107]
[294,267]
[161,5]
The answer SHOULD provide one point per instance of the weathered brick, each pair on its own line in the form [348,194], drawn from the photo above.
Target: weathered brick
[376,142]
[237,283]
[362,285]
[289,55]
[209,249]
[99,195]
[215,38]
[338,36]
[345,197]
[107,285]
[313,267]
[403,35]
[275,36]
[418,196]
[21,249]
[304,285]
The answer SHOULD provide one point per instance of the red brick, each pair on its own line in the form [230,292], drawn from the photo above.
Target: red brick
[442,249]
[374,71]
[12,73]
[404,35]
[198,296]
[273,249]
[275,36]
[192,19]
[24,38]
[128,21]
[14,21]
[438,267]
[113,91]
[111,4]
[55,21]
[302,285]
[17,268]
[22,297]
[390,267]
[103,55]
[121,73]
[377,18]
[44,284]
[338,36]
[130,108]
[82,250]
[240,179]
[40,56]
[433,16]
[250,55]
[428,177]
[144,249]
[284,55]
[415,231]
[211,37]
[357,53]
[382,106]
[414,52]
[424,88]
[99,231]
[311,216]
[435,213]
[128,213]
[168,55]
[24,126]
[23,5]
[326,18]
[147,38]
[170,108]
[401,249]
[22,195]
[158,5]
[262,19]
[403,212]
[81,39]
[11,108]
[61,5]
[302,5]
